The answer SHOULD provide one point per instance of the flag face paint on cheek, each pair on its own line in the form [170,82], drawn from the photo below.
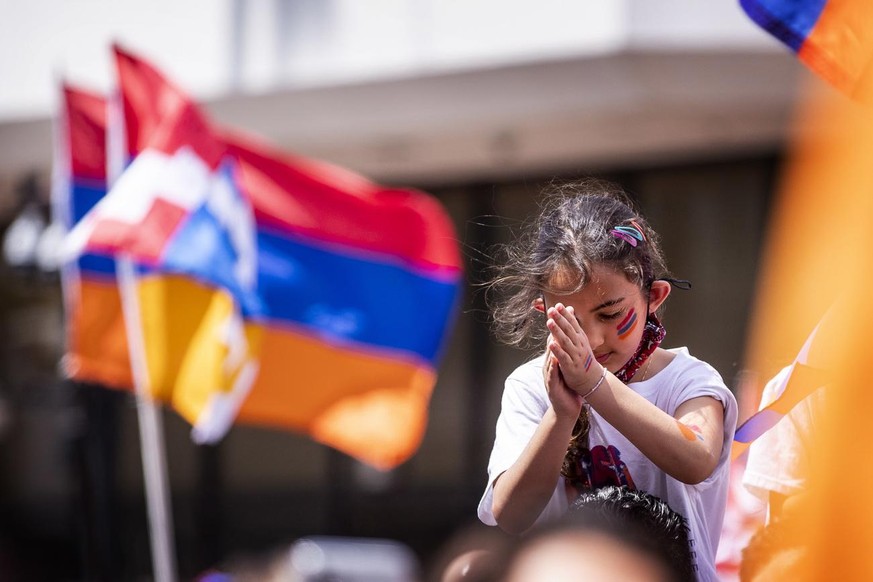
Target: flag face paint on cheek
[628,324]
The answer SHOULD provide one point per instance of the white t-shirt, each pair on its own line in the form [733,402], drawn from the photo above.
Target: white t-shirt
[779,459]
[525,402]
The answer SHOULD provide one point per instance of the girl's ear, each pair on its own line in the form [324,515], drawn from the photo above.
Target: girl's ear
[657,294]
[538,304]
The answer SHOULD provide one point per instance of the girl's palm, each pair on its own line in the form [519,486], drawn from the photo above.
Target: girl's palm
[565,401]
[569,346]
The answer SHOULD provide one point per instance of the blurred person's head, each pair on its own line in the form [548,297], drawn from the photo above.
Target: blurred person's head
[473,554]
[609,534]
[585,554]
[667,529]
[266,566]
[777,551]
[322,558]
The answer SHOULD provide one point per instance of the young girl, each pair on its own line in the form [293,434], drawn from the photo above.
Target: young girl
[604,405]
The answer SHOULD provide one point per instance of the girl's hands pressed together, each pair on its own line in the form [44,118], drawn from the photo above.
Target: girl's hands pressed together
[565,402]
[569,346]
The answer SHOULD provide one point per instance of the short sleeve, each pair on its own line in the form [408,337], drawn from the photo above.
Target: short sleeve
[523,406]
[702,380]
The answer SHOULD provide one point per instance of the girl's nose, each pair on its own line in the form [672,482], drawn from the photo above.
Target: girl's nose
[595,336]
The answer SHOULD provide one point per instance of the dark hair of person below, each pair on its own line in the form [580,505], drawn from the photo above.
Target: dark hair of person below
[642,520]
[637,520]
[778,548]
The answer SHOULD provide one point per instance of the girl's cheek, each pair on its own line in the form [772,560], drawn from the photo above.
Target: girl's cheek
[627,325]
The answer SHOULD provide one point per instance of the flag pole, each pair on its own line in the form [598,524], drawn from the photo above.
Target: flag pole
[150,432]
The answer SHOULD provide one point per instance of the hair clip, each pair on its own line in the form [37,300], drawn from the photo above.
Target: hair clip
[630,234]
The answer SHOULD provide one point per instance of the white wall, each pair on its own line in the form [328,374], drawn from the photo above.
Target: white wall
[694,24]
[216,47]
[44,40]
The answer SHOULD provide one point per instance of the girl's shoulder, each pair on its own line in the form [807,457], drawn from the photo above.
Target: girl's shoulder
[684,365]
[535,362]
[525,388]
[688,377]
[530,372]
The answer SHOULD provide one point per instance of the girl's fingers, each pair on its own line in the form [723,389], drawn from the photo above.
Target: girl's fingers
[573,321]
[550,364]
[567,320]
[564,359]
[573,328]
[553,368]
[552,372]
[559,334]
[558,314]
[562,329]
[564,349]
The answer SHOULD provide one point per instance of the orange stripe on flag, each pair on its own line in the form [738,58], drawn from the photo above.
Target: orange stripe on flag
[840,47]
[97,350]
[369,406]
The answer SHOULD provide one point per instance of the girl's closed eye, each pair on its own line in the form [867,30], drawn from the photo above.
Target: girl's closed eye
[611,316]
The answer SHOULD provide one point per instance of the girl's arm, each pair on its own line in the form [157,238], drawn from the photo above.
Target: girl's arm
[687,446]
[522,491]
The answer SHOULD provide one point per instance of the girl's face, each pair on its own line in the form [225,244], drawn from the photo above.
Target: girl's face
[612,312]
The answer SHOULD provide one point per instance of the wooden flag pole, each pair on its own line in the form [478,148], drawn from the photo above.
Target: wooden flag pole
[150,432]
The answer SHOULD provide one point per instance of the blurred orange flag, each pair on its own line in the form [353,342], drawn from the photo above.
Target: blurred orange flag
[818,261]
[819,258]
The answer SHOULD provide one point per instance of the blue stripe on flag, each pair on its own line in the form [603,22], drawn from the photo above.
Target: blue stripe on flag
[84,197]
[97,265]
[756,425]
[338,298]
[344,299]
[790,21]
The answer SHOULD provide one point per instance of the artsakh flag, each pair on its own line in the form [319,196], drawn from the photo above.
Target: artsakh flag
[358,285]
[834,38]
[176,210]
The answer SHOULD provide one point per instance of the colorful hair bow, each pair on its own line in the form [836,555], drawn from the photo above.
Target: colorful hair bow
[630,234]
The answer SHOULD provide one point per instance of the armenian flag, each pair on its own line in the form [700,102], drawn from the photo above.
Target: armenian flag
[832,37]
[357,286]
[96,348]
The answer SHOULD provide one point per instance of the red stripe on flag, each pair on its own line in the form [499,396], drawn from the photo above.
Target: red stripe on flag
[86,132]
[159,115]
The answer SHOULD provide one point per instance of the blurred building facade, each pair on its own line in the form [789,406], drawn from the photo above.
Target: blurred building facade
[479,103]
